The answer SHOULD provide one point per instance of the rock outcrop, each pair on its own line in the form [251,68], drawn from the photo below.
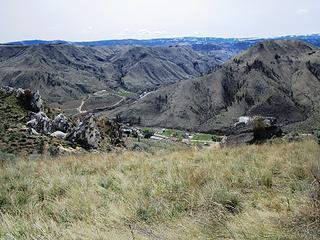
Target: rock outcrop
[86,134]
[40,122]
[58,134]
[19,93]
[60,123]
[36,102]
[110,131]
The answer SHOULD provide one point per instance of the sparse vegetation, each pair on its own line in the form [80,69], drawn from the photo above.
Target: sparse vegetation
[249,192]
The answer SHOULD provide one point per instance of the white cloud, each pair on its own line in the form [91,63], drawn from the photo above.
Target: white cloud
[148,32]
[302,11]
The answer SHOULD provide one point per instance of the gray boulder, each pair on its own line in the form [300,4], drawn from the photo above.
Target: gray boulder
[60,123]
[110,131]
[36,102]
[58,134]
[86,134]
[20,93]
[40,122]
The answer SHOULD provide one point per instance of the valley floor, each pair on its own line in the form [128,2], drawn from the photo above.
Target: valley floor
[249,192]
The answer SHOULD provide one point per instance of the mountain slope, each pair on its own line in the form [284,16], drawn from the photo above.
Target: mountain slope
[65,72]
[273,78]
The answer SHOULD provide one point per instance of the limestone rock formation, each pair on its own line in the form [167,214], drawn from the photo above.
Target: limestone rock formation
[19,93]
[30,101]
[86,134]
[36,102]
[110,131]
[60,123]
[40,122]
[58,134]
[21,117]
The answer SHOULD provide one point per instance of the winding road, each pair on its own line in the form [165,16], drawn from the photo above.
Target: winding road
[107,107]
[79,109]
[81,105]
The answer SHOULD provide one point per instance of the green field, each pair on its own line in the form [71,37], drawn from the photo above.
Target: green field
[195,136]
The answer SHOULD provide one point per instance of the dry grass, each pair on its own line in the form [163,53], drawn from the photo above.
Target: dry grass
[251,192]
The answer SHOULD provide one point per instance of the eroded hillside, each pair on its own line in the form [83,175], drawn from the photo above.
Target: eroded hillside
[64,73]
[275,78]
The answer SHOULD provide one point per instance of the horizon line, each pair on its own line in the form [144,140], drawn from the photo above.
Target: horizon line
[159,38]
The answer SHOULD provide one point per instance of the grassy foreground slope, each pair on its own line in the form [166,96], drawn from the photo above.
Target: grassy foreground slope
[250,192]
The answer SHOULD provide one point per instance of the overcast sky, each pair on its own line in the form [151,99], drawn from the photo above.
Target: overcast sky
[79,20]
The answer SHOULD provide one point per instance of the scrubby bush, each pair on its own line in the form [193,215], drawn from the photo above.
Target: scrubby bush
[259,127]
[147,133]
[25,99]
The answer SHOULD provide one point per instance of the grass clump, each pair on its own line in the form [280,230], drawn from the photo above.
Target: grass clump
[249,192]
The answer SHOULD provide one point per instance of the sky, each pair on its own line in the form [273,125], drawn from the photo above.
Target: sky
[87,20]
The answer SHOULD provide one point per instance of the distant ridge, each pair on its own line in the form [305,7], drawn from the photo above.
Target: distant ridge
[313,39]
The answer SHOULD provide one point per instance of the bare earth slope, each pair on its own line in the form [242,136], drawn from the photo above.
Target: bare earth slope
[65,72]
[274,78]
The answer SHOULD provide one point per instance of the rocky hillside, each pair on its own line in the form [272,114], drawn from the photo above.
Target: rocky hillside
[64,72]
[27,126]
[279,79]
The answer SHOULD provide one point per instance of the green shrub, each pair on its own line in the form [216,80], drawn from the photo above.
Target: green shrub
[259,127]
[148,133]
